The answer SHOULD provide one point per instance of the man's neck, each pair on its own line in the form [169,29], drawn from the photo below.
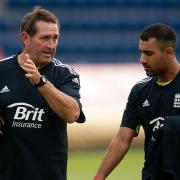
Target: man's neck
[20,59]
[170,75]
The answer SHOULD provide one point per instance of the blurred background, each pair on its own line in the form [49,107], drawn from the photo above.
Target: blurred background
[99,38]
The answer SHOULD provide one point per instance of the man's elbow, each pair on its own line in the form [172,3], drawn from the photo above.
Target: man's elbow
[73,116]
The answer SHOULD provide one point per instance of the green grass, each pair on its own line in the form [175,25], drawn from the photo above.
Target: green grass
[83,165]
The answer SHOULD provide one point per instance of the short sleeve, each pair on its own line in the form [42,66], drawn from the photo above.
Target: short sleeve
[131,117]
[70,85]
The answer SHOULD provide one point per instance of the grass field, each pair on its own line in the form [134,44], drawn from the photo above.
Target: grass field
[83,165]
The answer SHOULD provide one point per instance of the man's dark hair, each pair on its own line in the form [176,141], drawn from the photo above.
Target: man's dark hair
[28,23]
[162,33]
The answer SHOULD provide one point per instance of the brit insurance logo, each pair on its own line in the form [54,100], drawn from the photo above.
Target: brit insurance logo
[26,115]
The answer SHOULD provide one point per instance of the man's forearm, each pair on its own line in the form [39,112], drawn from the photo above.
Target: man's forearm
[115,152]
[113,156]
[63,105]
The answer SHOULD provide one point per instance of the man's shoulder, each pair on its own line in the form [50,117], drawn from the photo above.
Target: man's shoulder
[7,60]
[65,68]
[146,82]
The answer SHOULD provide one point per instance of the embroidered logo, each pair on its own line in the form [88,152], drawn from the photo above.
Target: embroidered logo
[177,101]
[145,103]
[75,80]
[157,124]
[4,89]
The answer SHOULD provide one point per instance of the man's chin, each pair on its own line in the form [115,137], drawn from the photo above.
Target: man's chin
[149,74]
[46,58]
[43,61]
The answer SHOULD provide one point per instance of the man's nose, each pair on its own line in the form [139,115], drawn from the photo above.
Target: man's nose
[143,59]
[51,44]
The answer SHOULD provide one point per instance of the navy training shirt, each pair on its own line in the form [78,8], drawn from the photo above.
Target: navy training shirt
[34,142]
[148,104]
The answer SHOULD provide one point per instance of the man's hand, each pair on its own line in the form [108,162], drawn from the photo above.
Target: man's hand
[32,72]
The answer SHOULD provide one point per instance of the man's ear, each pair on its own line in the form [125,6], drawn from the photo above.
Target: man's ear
[25,38]
[169,51]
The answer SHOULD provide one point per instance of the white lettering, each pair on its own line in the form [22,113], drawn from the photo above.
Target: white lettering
[41,112]
[20,113]
[23,113]
[35,114]
[28,114]
[26,125]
